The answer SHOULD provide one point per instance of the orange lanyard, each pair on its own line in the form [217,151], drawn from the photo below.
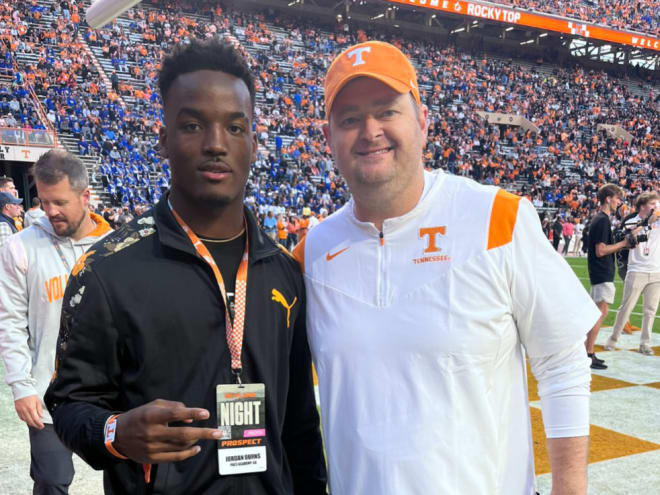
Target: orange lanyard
[235,330]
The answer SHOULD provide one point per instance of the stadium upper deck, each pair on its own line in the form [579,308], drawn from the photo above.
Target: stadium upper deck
[99,88]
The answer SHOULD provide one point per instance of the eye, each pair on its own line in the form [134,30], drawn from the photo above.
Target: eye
[236,129]
[191,127]
[348,121]
[388,113]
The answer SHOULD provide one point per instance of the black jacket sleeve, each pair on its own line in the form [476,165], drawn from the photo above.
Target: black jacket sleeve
[83,393]
[301,435]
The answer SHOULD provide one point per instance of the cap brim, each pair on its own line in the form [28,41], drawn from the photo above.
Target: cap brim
[395,84]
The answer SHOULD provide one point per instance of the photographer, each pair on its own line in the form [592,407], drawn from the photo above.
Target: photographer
[643,276]
[626,223]
[600,262]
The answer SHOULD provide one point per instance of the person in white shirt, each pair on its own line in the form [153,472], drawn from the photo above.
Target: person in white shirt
[577,245]
[34,267]
[424,293]
[643,275]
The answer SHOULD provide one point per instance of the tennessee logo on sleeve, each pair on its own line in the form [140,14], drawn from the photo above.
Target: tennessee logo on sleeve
[502,219]
[279,298]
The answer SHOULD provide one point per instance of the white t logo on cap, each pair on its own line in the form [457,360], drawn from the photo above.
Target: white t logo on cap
[357,53]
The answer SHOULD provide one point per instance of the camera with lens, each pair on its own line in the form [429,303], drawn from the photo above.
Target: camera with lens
[627,229]
[633,240]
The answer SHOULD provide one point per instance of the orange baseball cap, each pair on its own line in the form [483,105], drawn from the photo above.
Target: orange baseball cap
[376,59]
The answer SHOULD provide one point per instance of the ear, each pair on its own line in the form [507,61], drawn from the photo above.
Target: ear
[424,121]
[255,147]
[326,132]
[86,196]
[162,141]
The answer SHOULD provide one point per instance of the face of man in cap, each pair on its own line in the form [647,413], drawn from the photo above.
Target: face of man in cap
[376,136]
[377,127]
[9,204]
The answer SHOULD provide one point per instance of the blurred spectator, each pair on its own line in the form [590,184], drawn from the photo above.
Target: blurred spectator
[9,210]
[567,231]
[270,225]
[34,213]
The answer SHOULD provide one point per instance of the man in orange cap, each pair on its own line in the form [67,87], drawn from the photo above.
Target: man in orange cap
[422,292]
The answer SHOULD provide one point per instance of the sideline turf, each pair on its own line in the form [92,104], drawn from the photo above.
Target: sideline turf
[579,266]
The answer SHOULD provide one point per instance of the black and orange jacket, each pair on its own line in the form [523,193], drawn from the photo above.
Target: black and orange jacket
[143,319]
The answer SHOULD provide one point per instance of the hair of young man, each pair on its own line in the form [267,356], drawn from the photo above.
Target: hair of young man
[644,198]
[55,165]
[608,191]
[211,54]
[35,202]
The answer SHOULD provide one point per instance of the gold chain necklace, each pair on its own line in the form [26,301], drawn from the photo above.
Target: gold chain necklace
[220,241]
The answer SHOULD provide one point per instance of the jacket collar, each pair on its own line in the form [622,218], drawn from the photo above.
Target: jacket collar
[8,220]
[432,183]
[172,235]
[101,228]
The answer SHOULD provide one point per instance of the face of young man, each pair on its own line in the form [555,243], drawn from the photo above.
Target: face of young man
[612,203]
[65,208]
[376,135]
[208,138]
[646,209]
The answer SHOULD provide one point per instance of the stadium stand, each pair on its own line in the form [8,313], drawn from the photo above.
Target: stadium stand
[98,89]
[622,14]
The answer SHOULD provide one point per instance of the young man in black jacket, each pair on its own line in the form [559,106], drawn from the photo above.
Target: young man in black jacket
[148,357]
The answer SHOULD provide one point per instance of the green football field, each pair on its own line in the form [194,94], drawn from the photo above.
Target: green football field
[579,266]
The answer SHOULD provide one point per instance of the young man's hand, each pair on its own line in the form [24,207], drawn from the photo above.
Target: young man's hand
[29,409]
[144,435]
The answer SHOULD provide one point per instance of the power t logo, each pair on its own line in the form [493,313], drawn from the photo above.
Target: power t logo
[579,29]
[431,233]
[357,53]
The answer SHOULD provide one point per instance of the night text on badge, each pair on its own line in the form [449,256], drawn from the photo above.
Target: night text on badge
[239,413]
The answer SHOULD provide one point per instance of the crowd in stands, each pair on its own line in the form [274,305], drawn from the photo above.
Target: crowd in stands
[115,117]
[637,15]
[17,108]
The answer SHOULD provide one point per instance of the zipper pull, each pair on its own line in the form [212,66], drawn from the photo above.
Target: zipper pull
[381,237]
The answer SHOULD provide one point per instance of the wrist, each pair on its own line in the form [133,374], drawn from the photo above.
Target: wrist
[109,434]
[22,389]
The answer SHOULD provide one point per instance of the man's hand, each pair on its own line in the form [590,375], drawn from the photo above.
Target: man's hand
[631,239]
[29,410]
[144,435]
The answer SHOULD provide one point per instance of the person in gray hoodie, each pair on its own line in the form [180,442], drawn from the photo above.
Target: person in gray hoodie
[34,213]
[35,265]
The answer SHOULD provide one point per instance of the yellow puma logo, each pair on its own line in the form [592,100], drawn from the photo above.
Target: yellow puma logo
[278,297]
